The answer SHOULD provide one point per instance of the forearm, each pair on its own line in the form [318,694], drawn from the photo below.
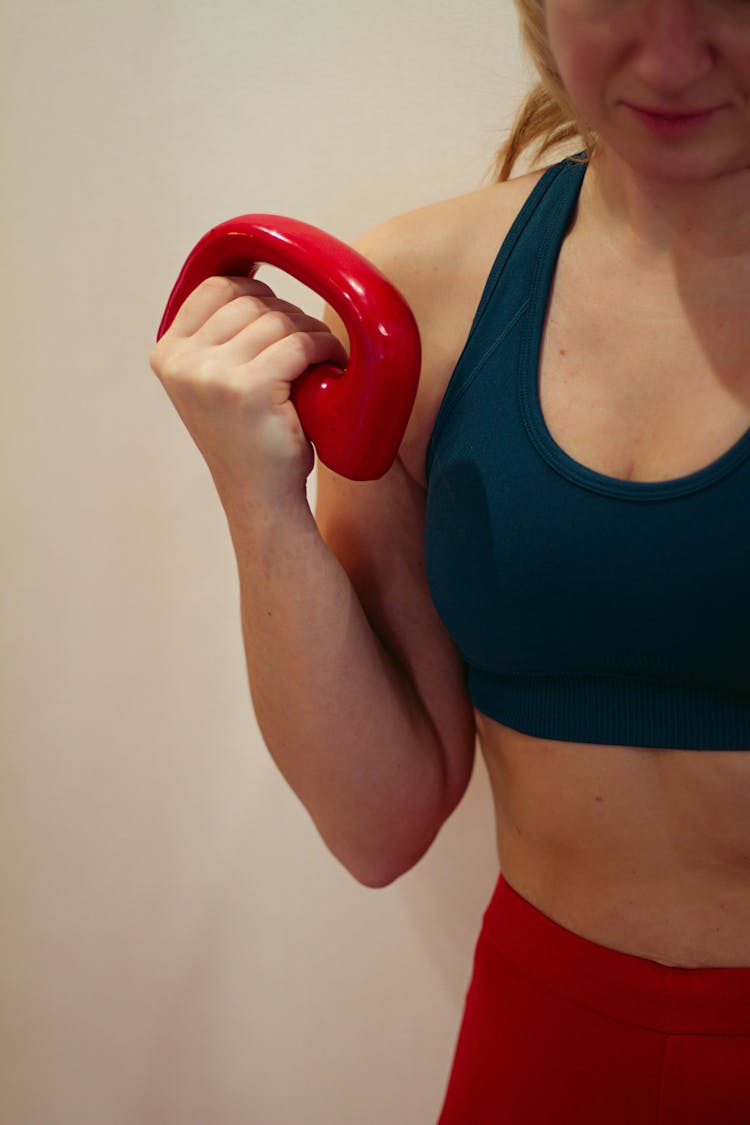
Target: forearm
[340,719]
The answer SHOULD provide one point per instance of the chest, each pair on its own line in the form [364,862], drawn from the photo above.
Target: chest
[634,382]
[539,570]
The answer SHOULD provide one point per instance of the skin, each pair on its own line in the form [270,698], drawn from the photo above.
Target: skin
[647,851]
[664,202]
[644,850]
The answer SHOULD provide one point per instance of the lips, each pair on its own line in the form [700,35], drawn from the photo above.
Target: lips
[670,114]
[673,127]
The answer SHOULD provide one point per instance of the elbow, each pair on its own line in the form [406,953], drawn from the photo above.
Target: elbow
[375,882]
[378,856]
[378,876]
[379,879]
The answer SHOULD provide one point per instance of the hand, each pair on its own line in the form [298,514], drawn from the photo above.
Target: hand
[227,363]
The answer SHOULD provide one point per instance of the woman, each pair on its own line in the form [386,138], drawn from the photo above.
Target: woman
[558,562]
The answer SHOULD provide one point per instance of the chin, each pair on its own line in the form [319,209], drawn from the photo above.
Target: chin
[670,161]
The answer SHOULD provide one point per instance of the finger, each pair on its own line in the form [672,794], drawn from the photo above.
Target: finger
[272,327]
[286,359]
[212,294]
[244,311]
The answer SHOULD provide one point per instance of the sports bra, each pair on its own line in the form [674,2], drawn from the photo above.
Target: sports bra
[585,608]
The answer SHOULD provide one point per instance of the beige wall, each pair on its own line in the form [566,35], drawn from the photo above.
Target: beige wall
[176,944]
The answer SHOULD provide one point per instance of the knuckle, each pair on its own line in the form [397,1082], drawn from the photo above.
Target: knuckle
[223,285]
[252,304]
[280,321]
[300,344]
[212,372]
[184,368]
[160,357]
[171,368]
[154,358]
[238,286]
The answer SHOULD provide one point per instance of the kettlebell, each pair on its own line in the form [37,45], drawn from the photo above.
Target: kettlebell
[355,417]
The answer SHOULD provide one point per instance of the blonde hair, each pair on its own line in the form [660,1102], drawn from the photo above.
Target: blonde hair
[546,114]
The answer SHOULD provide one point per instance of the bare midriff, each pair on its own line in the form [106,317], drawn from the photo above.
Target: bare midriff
[642,850]
[646,851]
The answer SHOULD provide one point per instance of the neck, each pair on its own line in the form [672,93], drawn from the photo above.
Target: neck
[698,226]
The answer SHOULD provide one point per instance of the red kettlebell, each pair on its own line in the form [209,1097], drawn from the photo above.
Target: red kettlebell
[356,417]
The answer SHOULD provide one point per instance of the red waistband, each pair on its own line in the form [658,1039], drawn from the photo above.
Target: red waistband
[633,989]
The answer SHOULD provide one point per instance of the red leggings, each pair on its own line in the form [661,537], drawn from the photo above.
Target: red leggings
[558,1030]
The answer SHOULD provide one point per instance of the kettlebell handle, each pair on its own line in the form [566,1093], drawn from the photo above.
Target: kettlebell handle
[356,417]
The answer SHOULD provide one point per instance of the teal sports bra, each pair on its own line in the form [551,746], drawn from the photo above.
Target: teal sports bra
[585,608]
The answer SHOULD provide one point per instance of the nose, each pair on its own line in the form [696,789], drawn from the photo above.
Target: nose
[675,47]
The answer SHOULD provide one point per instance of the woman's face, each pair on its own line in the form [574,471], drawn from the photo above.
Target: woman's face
[673,55]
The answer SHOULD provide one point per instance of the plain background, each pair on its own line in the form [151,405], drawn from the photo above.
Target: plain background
[177,946]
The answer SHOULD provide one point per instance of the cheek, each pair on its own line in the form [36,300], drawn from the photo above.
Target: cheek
[741,64]
[585,49]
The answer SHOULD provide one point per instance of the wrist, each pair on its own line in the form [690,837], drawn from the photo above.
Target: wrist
[255,517]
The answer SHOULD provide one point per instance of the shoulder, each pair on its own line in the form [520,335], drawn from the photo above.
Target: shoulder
[439,257]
